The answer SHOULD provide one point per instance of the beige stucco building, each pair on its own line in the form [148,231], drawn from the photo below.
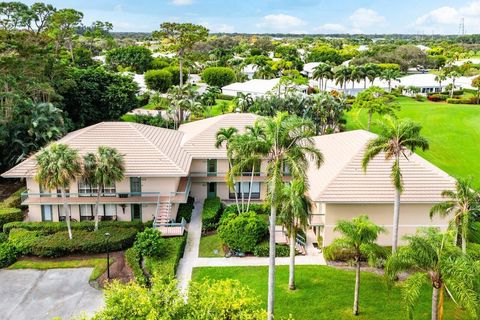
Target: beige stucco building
[164,167]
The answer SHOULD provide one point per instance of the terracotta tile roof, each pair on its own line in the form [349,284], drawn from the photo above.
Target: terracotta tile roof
[341,179]
[148,151]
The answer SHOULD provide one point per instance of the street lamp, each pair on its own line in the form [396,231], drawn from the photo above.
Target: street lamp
[107,237]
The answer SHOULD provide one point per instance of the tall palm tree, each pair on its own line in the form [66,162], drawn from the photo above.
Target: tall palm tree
[463,204]
[323,72]
[453,75]
[342,75]
[440,77]
[397,139]
[357,74]
[225,136]
[372,71]
[293,213]
[286,141]
[390,75]
[376,100]
[243,101]
[57,165]
[435,261]
[102,169]
[360,236]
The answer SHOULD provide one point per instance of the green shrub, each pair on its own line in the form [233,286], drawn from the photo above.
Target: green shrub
[53,227]
[14,200]
[225,97]
[218,76]
[134,260]
[336,253]
[437,97]
[175,71]
[158,80]
[167,265]
[185,210]
[135,58]
[8,215]
[24,240]
[143,99]
[8,254]
[462,100]
[419,97]
[212,211]
[262,250]
[473,250]
[242,232]
[58,244]
[3,237]
[150,243]
[255,207]
[159,63]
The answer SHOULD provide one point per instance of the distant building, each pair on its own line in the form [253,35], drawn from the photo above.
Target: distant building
[255,87]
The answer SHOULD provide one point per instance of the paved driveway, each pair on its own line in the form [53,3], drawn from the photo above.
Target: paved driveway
[36,294]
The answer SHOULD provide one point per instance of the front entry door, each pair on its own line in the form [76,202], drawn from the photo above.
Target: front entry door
[136,211]
[211,190]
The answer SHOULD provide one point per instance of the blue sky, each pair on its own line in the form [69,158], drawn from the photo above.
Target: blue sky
[286,16]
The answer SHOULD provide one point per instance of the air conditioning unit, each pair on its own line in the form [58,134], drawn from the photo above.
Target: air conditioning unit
[123,195]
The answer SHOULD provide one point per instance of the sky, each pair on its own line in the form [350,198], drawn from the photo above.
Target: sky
[285,16]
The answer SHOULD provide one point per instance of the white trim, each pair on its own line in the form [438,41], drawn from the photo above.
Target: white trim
[402,225]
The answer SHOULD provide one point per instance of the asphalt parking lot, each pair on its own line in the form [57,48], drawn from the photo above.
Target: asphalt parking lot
[37,294]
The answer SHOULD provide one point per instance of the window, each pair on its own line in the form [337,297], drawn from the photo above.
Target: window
[109,191]
[61,213]
[86,212]
[135,185]
[211,167]
[245,190]
[86,190]
[47,213]
[247,171]
[286,170]
[109,212]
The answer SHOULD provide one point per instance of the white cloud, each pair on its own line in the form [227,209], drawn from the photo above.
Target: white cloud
[281,22]
[118,8]
[332,28]
[446,19]
[221,27]
[364,18]
[182,2]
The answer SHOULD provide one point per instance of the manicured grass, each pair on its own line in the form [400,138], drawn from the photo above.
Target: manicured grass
[99,265]
[453,132]
[326,293]
[210,243]
[215,109]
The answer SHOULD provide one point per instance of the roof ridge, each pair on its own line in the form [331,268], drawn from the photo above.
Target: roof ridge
[81,131]
[217,119]
[134,126]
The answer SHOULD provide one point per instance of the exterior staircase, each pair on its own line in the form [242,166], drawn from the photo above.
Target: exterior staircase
[163,220]
[163,212]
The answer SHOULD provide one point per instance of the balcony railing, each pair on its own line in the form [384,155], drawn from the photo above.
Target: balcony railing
[223,174]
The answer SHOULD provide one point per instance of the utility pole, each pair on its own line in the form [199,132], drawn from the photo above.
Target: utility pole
[461,28]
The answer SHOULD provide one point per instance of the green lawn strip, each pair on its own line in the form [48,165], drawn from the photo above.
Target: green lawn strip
[452,131]
[326,293]
[99,265]
[210,243]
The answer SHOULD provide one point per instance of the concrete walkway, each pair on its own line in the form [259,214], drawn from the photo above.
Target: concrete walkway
[190,256]
[255,261]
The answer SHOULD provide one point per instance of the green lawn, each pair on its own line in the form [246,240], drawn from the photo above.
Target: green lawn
[99,265]
[215,110]
[452,130]
[326,293]
[208,245]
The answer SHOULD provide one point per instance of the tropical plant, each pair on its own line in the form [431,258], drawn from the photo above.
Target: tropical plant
[476,84]
[218,76]
[294,210]
[57,165]
[435,261]
[243,101]
[372,71]
[397,139]
[462,205]
[103,169]
[440,77]
[323,72]
[285,142]
[360,236]
[376,100]
[342,75]
[453,75]
[390,75]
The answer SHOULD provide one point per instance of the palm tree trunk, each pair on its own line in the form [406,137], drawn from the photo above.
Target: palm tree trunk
[396,218]
[435,295]
[370,114]
[291,273]
[241,191]
[97,203]
[357,287]
[67,213]
[464,242]
[180,61]
[250,188]
[271,260]
[365,83]
[234,187]
[440,304]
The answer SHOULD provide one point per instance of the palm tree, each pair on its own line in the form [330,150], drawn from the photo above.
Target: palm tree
[453,75]
[359,236]
[357,74]
[435,261]
[243,101]
[322,72]
[342,75]
[286,141]
[225,136]
[397,139]
[440,77]
[376,100]
[293,213]
[372,71]
[57,165]
[103,169]
[463,204]
[390,75]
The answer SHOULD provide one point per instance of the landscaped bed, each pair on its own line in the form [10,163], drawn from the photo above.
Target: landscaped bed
[327,293]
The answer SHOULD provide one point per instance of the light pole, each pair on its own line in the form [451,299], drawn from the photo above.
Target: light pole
[107,236]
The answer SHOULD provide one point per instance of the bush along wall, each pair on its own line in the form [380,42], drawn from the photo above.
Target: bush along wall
[212,211]
[8,215]
[53,227]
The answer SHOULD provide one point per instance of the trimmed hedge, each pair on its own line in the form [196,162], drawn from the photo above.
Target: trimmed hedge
[175,71]
[225,97]
[53,227]
[58,244]
[255,207]
[472,100]
[3,237]
[335,253]
[185,210]
[24,241]
[159,80]
[134,260]
[262,250]
[8,215]
[167,265]
[218,76]
[437,97]
[242,232]
[212,211]
[8,254]
[150,243]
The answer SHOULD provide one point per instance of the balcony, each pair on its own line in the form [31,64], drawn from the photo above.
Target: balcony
[180,196]
[205,176]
